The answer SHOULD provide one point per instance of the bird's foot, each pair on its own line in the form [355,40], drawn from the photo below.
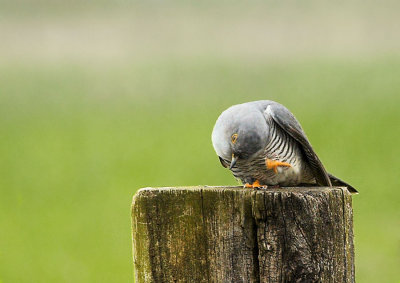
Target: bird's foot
[255,185]
[273,164]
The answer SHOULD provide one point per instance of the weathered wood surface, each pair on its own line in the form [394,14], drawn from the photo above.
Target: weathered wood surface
[231,234]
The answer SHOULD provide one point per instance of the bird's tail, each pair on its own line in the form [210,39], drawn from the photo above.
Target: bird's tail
[337,182]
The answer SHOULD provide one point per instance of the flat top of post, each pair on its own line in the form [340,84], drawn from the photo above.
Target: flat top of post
[241,188]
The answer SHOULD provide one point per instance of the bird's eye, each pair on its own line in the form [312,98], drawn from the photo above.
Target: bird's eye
[234,138]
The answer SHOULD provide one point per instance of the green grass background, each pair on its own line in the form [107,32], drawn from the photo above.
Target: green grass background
[79,137]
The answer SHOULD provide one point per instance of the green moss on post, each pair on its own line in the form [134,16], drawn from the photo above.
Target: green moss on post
[231,234]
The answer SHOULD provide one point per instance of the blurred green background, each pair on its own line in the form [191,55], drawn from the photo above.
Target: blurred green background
[100,98]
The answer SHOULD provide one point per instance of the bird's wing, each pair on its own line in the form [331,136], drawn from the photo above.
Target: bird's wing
[337,182]
[285,120]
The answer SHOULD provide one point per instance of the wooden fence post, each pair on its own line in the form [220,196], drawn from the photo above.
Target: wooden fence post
[232,234]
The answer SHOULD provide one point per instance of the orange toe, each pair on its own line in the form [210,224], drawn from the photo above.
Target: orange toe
[256,184]
[273,164]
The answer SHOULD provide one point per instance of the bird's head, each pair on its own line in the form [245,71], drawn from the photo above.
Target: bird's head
[239,134]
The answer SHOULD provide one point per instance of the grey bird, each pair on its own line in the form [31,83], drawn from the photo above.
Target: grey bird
[263,144]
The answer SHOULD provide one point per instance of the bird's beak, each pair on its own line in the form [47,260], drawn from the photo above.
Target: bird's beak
[233,162]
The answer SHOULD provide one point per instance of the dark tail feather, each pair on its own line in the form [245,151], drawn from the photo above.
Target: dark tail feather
[337,182]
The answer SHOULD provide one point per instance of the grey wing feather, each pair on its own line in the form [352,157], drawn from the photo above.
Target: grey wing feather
[285,119]
[338,182]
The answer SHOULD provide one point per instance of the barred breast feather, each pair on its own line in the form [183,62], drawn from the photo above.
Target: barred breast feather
[281,147]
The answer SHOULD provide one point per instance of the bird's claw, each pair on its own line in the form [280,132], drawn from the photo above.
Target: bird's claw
[255,185]
[273,164]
